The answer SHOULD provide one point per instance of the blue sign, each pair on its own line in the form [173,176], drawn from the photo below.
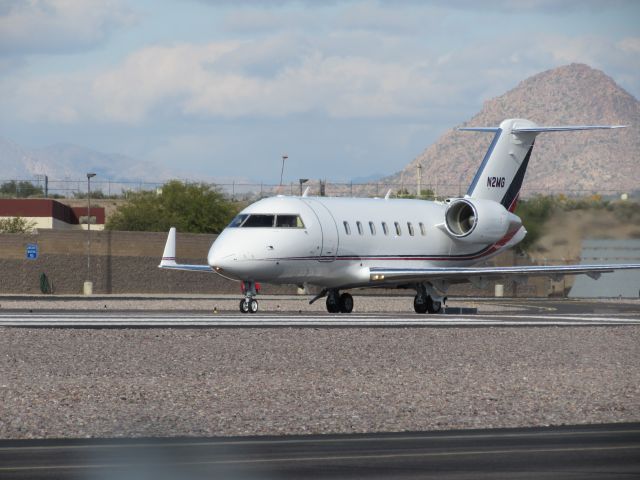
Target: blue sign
[32,251]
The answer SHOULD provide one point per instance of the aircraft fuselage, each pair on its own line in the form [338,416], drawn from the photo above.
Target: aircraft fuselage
[339,239]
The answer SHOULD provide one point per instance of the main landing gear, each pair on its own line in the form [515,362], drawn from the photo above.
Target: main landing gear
[249,304]
[337,303]
[423,302]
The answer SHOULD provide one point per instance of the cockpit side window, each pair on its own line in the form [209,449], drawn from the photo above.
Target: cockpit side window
[259,220]
[289,221]
[237,221]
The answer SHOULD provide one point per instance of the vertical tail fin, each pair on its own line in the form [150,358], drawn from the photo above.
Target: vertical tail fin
[502,171]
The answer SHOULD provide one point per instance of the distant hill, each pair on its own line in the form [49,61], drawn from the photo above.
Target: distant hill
[568,95]
[64,161]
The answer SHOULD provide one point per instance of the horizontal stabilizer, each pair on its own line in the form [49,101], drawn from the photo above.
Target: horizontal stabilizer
[537,129]
[568,128]
[480,129]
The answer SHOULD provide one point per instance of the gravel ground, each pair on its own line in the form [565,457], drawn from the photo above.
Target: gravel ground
[172,382]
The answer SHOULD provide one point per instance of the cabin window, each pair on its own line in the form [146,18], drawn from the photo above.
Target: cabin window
[347,228]
[385,229]
[410,228]
[259,220]
[289,221]
[237,221]
[372,227]
[423,231]
[398,230]
[360,229]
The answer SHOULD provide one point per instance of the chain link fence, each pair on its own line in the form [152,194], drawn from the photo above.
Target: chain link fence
[51,188]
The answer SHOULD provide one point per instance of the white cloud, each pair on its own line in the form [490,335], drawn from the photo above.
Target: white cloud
[56,26]
[291,73]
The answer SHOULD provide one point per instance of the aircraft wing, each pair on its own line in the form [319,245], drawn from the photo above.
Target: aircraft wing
[169,257]
[396,275]
[185,266]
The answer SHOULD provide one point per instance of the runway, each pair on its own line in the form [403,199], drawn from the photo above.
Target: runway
[592,451]
[152,319]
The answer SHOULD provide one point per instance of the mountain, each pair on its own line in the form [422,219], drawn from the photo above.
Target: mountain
[65,161]
[569,95]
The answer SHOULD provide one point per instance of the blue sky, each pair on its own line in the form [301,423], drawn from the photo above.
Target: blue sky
[220,89]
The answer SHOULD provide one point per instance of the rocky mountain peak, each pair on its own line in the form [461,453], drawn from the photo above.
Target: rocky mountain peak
[576,162]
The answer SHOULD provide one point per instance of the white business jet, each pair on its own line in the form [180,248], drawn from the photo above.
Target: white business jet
[340,244]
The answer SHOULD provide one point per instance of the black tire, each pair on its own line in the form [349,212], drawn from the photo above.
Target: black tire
[333,304]
[433,306]
[253,305]
[244,305]
[419,307]
[346,303]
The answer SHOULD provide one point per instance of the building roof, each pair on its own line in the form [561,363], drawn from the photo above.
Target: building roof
[45,207]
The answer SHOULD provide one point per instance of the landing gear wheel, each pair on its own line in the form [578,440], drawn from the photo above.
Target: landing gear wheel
[433,306]
[419,304]
[253,305]
[244,305]
[333,303]
[346,303]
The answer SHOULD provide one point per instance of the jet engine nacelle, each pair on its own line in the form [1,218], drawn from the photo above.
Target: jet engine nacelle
[475,220]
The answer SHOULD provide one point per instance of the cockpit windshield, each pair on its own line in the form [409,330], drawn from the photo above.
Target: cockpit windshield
[257,220]
[266,220]
[289,221]
[237,220]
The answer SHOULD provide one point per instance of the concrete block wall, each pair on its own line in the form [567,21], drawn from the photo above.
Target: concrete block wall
[121,262]
[127,262]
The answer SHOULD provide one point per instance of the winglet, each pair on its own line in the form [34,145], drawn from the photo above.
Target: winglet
[169,254]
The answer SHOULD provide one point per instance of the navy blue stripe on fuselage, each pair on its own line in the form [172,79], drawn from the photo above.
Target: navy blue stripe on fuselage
[467,256]
[484,162]
[516,184]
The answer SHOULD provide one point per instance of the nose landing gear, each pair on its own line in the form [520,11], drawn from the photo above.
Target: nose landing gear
[249,304]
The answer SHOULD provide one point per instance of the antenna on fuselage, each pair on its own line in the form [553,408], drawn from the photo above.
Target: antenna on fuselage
[386,197]
[306,192]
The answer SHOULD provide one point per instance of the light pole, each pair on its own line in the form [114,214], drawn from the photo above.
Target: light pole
[419,189]
[89,177]
[284,157]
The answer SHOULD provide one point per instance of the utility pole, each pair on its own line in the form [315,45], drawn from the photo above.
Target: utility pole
[419,189]
[284,157]
[89,290]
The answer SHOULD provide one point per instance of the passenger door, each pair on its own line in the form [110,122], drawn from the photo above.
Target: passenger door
[329,230]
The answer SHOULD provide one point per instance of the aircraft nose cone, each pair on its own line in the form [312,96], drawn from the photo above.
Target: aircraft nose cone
[222,256]
[219,258]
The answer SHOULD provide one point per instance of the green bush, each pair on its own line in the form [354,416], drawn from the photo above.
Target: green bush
[195,208]
[16,225]
[534,213]
[20,189]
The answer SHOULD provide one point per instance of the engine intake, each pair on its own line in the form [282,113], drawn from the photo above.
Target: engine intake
[461,218]
[479,221]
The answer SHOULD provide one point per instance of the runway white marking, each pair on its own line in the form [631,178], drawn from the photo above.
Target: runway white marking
[84,320]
